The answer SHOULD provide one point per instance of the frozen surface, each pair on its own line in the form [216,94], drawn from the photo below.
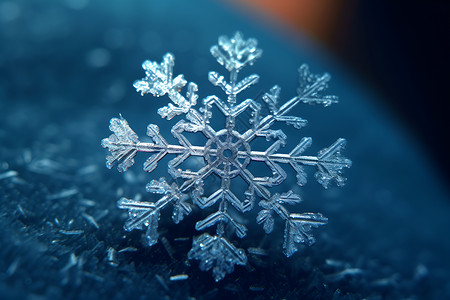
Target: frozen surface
[67,67]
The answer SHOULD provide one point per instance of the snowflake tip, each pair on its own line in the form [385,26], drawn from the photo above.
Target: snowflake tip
[330,164]
[235,53]
[312,87]
[298,228]
[216,253]
[121,144]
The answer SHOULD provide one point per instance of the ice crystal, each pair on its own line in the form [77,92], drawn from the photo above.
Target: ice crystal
[226,154]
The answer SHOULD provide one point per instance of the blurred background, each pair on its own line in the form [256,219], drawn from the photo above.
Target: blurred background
[400,49]
[67,68]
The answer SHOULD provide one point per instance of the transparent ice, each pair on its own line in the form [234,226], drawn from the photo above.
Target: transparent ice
[227,154]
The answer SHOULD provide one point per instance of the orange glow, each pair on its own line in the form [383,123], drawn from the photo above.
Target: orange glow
[317,18]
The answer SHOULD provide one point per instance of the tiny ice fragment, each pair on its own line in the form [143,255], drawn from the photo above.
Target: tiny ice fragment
[255,288]
[90,220]
[179,277]
[162,282]
[127,249]
[63,194]
[257,251]
[71,232]
[8,174]
[112,257]
[21,211]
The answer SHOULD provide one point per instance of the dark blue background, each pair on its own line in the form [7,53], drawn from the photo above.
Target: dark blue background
[66,68]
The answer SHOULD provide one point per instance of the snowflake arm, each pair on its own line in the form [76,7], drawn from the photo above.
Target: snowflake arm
[271,98]
[221,216]
[159,81]
[297,225]
[232,88]
[298,228]
[329,162]
[141,215]
[146,214]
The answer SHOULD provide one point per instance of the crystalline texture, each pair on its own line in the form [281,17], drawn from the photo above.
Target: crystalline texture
[216,253]
[159,81]
[226,153]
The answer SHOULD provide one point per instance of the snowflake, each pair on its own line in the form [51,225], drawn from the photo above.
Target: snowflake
[226,154]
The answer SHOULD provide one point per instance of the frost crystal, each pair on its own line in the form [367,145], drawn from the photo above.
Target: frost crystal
[226,154]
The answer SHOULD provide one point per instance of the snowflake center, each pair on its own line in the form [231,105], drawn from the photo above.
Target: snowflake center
[227,153]
[226,150]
